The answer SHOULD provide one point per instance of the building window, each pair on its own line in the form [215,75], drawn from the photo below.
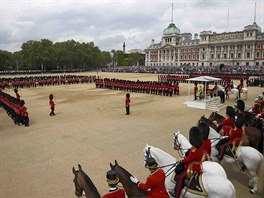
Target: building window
[238,55]
[185,57]
[257,63]
[181,57]
[231,55]
[211,64]
[203,56]
[258,45]
[203,49]
[198,55]
[247,63]
[237,63]
[248,54]
[224,55]
[202,64]
[248,46]
[257,54]
[193,64]
[189,57]
[262,63]
[218,56]
[212,55]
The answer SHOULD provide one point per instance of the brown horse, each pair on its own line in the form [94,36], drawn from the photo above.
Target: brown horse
[131,188]
[82,183]
[253,134]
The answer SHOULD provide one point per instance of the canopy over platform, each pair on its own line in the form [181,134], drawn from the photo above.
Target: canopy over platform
[204,79]
[207,102]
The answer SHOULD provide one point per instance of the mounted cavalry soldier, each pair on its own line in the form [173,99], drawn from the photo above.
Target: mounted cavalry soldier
[227,144]
[192,164]
[114,191]
[228,123]
[155,181]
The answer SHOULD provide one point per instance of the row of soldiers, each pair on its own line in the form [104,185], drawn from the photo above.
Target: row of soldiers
[35,81]
[15,108]
[149,87]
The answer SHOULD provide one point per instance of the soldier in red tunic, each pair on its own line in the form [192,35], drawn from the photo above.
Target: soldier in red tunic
[192,163]
[228,123]
[155,181]
[114,191]
[17,94]
[206,145]
[195,90]
[239,87]
[52,105]
[234,137]
[127,103]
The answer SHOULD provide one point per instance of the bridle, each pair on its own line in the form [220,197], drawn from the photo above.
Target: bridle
[78,190]
[177,145]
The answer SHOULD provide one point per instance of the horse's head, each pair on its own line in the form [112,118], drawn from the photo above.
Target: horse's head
[212,116]
[77,181]
[176,143]
[83,183]
[124,177]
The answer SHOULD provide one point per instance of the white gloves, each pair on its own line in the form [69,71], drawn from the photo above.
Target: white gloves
[134,179]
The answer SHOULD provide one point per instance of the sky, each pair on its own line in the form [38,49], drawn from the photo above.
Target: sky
[109,23]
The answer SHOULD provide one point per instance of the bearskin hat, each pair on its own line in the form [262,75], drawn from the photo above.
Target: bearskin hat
[196,137]
[111,177]
[205,129]
[230,111]
[240,120]
[151,163]
[240,105]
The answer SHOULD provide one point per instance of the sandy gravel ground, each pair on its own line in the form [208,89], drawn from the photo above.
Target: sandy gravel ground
[90,128]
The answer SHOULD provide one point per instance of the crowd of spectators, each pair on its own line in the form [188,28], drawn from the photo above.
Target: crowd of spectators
[248,70]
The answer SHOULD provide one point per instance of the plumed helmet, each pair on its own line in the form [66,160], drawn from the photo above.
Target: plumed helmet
[151,163]
[239,121]
[111,177]
[205,129]
[240,105]
[230,111]
[196,137]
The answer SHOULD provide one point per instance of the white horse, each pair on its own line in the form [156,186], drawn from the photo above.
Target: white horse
[216,186]
[235,91]
[245,155]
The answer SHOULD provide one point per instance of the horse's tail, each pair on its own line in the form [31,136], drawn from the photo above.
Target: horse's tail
[260,174]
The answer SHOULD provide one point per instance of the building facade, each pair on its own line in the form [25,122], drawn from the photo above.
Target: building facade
[240,48]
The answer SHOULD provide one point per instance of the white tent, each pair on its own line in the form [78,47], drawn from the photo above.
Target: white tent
[205,79]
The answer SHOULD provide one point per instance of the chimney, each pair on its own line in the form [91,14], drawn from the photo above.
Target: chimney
[195,36]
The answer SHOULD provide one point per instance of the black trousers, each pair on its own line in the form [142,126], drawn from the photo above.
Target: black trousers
[127,110]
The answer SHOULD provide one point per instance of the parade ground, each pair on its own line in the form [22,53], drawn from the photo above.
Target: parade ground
[91,129]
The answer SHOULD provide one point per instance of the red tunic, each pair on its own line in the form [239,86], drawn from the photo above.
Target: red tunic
[52,104]
[156,183]
[119,193]
[127,102]
[193,160]
[228,125]
[195,89]
[207,147]
[236,133]
[17,95]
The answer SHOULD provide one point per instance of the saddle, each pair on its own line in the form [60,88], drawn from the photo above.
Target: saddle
[193,185]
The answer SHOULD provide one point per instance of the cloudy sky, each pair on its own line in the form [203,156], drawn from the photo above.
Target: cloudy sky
[109,23]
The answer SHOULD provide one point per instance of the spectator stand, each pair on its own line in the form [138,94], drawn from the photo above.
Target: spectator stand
[205,102]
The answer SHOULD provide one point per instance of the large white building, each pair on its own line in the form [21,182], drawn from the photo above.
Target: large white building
[239,48]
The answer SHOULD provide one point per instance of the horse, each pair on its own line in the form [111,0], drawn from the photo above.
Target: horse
[131,188]
[82,183]
[253,134]
[234,91]
[222,187]
[246,156]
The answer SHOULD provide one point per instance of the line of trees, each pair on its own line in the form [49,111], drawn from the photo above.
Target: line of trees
[68,55]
